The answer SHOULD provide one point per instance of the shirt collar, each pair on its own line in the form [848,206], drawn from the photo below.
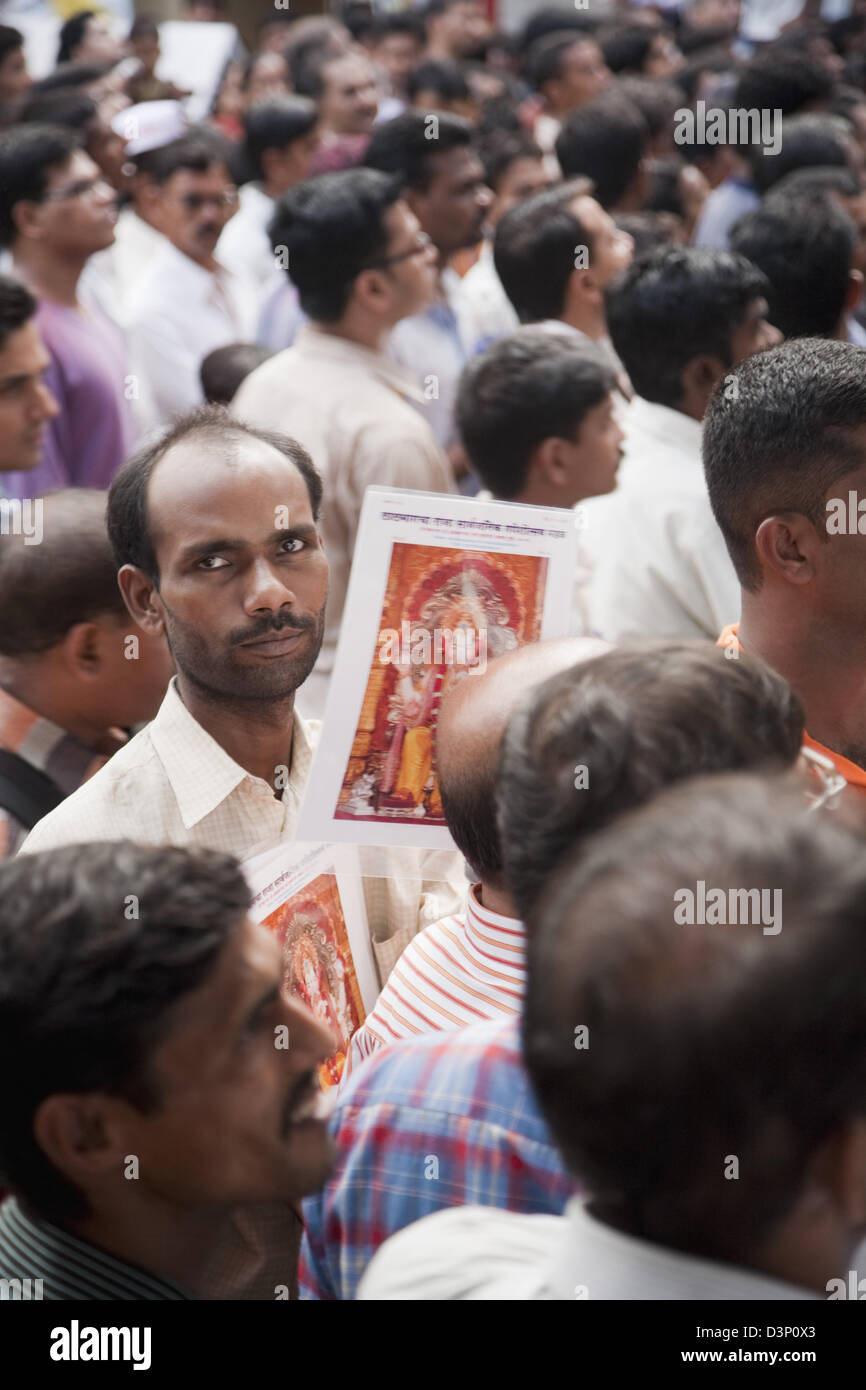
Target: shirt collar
[609,1264]
[329,347]
[197,280]
[487,929]
[185,749]
[671,427]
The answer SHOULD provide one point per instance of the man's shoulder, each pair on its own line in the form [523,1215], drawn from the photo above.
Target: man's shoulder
[466,1253]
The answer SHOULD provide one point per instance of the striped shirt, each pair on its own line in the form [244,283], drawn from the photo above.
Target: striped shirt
[69,1268]
[461,970]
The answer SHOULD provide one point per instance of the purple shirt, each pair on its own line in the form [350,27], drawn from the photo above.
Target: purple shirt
[93,434]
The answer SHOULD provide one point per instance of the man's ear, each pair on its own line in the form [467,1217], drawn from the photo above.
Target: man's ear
[82,650]
[840,1168]
[550,461]
[371,291]
[141,597]
[789,545]
[855,290]
[701,375]
[79,1136]
[27,220]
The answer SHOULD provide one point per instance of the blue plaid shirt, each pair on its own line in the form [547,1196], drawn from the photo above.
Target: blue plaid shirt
[443,1120]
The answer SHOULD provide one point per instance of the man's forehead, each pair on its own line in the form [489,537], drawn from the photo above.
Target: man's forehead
[78,165]
[226,476]
[23,351]
[247,965]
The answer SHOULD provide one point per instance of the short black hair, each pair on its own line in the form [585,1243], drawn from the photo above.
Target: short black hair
[88,991]
[501,148]
[546,57]
[627,47]
[17,306]
[274,124]
[534,250]
[71,75]
[404,147]
[533,386]
[197,150]
[635,720]
[387,25]
[605,140]
[697,1049]
[555,20]
[806,141]
[781,79]
[308,60]
[69,578]
[674,304]
[223,370]
[785,440]
[333,228]
[10,40]
[28,153]
[805,247]
[658,102]
[440,75]
[64,106]
[650,231]
[816,179]
[128,525]
[72,33]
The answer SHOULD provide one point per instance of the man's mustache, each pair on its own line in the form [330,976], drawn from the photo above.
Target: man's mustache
[275,624]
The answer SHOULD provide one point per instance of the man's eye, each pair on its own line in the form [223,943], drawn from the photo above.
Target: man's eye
[294,543]
[212,562]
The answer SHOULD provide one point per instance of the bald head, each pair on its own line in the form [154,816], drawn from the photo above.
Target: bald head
[471,723]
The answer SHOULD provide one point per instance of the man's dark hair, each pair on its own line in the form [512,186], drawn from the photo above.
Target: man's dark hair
[402,147]
[545,60]
[673,305]
[806,141]
[658,102]
[223,370]
[333,228]
[605,141]
[128,523]
[64,106]
[650,231]
[784,442]
[534,250]
[10,40]
[627,47]
[533,386]
[814,181]
[28,154]
[386,25]
[447,79]
[87,994]
[17,307]
[274,124]
[782,80]
[701,1037]
[307,62]
[502,148]
[609,734]
[69,578]
[805,247]
[554,20]
[358,17]
[72,33]
[71,75]
[198,150]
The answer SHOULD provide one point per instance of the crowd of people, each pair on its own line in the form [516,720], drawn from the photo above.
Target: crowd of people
[616,1048]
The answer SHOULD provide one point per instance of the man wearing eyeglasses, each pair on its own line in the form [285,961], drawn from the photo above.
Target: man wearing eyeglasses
[186,303]
[56,212]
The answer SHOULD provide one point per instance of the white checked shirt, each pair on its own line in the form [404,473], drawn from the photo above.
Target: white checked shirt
[174,784]
[461,970]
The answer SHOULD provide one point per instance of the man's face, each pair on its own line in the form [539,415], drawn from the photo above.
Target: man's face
[412,270]
[193,208]
[77,215]
[26,404]
[584,75]
[350,100]
[243,576]
[397,55]
[521,180]
[453,208]
[15,80]
[597,452]
[842,556]
[238,1120]
[269,78]
[612,249]
[98,45]
[664,59]
[463,28]
[755,333]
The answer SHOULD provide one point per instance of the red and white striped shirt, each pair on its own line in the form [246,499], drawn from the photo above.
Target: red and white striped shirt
[458,971]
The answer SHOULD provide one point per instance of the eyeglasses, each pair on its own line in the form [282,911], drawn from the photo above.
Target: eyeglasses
[84,188]
[422,243]
[194,202]
[825,781]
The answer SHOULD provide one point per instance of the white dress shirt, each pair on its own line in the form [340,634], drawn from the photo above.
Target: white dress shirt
[352,410]
[109,278]
[177,313]
[245,247]
[488,312]
[660,567]
[480,1253]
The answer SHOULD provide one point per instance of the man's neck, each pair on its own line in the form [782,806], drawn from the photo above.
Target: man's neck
[168,1242]
[256,734]
[825,665]
[34,688]
[357,329]
[209,263]
[497,900]
[50,276]
[589,321]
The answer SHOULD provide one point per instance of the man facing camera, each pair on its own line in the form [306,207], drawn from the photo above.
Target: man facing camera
[149,1097]
[26,403]
[721,1150]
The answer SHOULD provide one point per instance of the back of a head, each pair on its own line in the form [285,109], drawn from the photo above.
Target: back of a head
[530,387]
[698,1028]
[75,970]
[28,153]
[627,47]
[69,578]
[815,180]
[223,370]
[605,141]
[674,304]
[783,80]
[404,147]
[72,33]
[805,247]
[606,737]
[274,124]
[333,227]
[554,19]
[804,142]
[546,57]
[446,79]
[66,106]
[789,439]
[534,250]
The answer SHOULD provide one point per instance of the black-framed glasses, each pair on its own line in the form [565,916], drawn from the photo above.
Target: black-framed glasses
[422,243]
[194,202]
[83,188]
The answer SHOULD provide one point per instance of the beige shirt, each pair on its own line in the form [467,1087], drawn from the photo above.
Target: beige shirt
[349,407]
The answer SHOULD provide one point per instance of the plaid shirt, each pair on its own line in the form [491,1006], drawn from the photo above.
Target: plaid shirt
[432,1122]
